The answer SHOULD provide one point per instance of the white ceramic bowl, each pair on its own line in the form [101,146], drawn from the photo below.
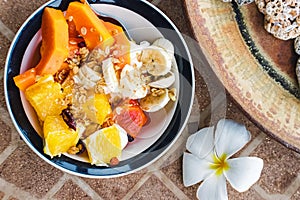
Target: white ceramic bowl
[144,22]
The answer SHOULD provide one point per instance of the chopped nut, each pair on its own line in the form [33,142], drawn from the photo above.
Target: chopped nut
[114,161]
[172,94]
[73,150]
[157,92]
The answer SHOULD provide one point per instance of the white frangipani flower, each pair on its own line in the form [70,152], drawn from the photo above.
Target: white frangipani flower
[208,161]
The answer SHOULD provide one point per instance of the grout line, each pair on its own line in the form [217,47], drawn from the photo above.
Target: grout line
[172,154]
[85,187]
[56,187]
[5,117]
[9,34]
[9,150]
[268,196]
[12,190]
[169,184]
[137,186]
[253,145]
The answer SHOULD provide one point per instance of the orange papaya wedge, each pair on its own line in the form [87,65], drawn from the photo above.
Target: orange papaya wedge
[89,26]
[55,37]
[122,44]
[26,79]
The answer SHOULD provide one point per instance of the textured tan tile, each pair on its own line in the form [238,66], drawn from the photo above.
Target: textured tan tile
[174,172]
[28,172]
[4,46]
[71,191]
[14,13]
[153,188]
[114,188]
[5,136]
[281,166]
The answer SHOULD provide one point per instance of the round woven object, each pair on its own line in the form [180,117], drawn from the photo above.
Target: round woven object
[257,69]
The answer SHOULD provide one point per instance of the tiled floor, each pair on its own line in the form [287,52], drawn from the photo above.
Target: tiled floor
[23,175]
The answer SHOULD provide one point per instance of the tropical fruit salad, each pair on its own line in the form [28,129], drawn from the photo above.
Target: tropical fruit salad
[93,88]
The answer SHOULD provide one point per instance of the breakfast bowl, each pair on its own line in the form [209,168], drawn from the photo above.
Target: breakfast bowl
[145,24]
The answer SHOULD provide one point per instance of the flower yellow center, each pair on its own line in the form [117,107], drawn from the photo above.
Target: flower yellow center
[220,164]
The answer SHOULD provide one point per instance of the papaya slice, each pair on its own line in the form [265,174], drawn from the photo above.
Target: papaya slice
[89,26]
[26,79]
[55,37]
[122,44]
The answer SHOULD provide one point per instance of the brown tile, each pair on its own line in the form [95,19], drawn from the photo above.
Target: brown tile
[118,187]
[14,13]
[2,194]
[174,172]
[281,166]
[4,46]
[153,188]
[234,112]
[296,195]
[251,194]
[71,191]
[28,172]
[176,12]
[5,136]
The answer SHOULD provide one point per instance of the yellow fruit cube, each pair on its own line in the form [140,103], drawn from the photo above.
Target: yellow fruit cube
[103,108]
[59,138]
[97,108]
[103,145]
[46,97]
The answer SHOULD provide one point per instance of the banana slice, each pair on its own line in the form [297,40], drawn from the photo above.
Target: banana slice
[90,73]
[156,60]
[166,45]
[131,84]
[110,76]
[85,82]
[163,81]
[153,103]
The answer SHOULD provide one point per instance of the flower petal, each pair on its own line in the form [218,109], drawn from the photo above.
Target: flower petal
[243,172]
[194,169]
[201,143]
[230,137]
[213,188]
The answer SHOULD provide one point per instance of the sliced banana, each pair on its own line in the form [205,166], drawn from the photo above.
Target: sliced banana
[153,103]
[166,45]
[110,76]
[85,82]
[156,60]
[131,84]
[163,81]
[90,73]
